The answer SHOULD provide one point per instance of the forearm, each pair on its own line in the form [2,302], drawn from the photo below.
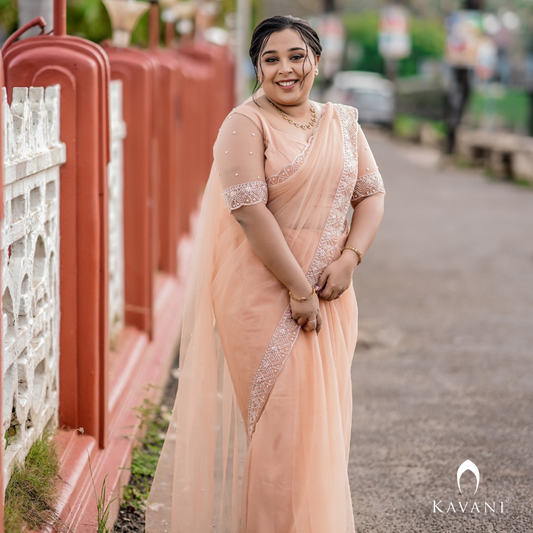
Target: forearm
[366,219]
[268,242]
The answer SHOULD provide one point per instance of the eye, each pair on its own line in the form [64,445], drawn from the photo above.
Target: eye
[297,56]
[271,59]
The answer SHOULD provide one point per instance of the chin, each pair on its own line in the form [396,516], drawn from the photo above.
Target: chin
[288,98]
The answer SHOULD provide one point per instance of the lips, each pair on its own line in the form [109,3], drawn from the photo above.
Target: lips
[287,84]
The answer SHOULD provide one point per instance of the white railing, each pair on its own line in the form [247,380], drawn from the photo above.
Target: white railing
[30,268]
[116,214]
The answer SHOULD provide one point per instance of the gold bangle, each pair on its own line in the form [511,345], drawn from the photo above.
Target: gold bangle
[359,254]
[303,299]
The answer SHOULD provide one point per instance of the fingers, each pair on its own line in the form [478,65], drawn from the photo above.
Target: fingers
[301,321]
[331,292]
[314,324]
[322,280]
[310,325]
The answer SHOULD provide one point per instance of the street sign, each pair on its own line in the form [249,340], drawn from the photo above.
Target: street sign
[394,40]
[464,32]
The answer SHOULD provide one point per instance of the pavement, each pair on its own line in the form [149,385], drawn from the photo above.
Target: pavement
[443,371]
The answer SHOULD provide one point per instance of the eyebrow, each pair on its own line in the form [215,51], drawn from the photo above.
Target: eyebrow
[276,52]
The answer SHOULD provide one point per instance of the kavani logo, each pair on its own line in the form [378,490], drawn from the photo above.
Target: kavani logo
[469,507]
[467,465]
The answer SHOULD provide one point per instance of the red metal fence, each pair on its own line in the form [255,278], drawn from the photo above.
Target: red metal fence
[174,101]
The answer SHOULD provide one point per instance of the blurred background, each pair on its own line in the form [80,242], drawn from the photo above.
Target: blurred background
[419,67]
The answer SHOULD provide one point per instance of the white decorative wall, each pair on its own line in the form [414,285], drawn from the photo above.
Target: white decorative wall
[30,268]
[116,216]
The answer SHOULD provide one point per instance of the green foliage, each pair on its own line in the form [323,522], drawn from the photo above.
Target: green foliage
[154,421]
[102,508]
[362,28]
[8,17]
[33,489]
[503,108]
[427,38]
[408,127]
[89,19]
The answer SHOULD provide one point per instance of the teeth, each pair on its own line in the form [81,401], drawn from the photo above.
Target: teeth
[286,83]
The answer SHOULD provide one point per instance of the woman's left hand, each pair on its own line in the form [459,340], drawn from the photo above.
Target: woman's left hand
[337,277]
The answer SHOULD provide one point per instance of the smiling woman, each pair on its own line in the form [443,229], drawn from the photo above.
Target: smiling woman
[261,426]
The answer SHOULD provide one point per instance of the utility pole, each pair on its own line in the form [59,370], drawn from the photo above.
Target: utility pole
[459,91]
[242,43]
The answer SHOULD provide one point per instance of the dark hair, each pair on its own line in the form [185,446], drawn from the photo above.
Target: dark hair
[271,25]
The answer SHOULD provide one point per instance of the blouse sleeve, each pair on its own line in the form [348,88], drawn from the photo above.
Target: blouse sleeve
[240,160]
[369,179]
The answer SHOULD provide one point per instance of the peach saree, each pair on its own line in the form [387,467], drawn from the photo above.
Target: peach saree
[260,430]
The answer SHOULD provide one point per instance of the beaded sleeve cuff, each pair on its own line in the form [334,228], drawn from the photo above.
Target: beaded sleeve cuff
[367,185]
[250,193]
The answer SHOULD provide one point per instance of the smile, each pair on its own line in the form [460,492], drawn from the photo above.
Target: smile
[287,83]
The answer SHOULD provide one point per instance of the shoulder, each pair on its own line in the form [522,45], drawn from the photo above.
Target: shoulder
[251,110]
[346,112]
[239,118]
[247,117]
[239,133]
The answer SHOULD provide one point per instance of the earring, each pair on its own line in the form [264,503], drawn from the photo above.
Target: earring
[316,72]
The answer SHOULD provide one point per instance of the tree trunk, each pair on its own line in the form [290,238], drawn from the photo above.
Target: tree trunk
[29,9]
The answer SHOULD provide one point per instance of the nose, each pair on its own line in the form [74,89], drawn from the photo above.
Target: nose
[285,67]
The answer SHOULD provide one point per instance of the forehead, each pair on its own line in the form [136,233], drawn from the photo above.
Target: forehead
[284,40]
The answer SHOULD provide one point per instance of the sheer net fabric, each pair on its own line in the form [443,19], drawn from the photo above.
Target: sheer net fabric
[369,180]
[239,152]
[260,432]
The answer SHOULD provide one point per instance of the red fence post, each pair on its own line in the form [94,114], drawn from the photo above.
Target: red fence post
[82,70]
[166,115]
[194,135]
[138,74]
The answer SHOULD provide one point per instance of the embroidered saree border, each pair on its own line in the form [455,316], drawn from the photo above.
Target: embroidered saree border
[287,171]
[286,332]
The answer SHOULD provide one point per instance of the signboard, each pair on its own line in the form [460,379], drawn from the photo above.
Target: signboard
[394,40]
[464,33]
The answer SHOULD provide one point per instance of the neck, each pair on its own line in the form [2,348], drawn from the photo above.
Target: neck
[298,110]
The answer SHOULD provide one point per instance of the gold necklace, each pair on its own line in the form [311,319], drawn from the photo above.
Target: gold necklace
[290,121]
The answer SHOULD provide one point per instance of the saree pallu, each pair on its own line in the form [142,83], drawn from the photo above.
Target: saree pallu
[260,431]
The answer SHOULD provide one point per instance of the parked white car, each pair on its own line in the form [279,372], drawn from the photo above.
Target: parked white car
[369,92]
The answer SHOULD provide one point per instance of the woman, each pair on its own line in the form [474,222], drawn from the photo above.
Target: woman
[260,434]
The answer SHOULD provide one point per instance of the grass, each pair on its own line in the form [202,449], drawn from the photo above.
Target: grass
[408,127]
[155,420]
[102,508]
[506,107]
[33,490]
[523,182]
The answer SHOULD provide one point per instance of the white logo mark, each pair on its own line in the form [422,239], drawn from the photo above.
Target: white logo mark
[467,465]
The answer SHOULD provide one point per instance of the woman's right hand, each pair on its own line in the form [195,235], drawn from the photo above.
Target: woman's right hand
[307,314]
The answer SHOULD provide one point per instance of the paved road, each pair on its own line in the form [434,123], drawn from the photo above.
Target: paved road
[444,368]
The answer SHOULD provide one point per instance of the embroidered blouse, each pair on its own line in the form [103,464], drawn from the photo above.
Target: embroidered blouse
[253,156]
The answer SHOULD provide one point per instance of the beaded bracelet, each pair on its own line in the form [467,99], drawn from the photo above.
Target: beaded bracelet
[305,298]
